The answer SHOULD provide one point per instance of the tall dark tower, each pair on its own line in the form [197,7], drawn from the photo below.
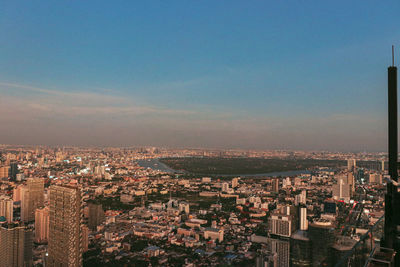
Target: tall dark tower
[13,171]
[392,197]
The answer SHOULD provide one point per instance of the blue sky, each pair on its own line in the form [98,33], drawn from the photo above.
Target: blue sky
[229,74]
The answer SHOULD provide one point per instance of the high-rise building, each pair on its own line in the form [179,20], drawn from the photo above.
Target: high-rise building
[351,164]
[20,177]
[225,187]
[321,234]
[7,208]
[282,248]
[17,193]
[4,171]
[85,238]
[96,215]
[281,225]
[65,233]
[32,197]
[300,249]
[267,258]
[235,182]
[351,182]
[342,246]
[303,219]
[341,191]
[392,196]
[375,178]
[330,207]
[184,207]
[275,185]
[360,175]
[286,183]
[301,198]
[13,171]
[42,225]
[16,246]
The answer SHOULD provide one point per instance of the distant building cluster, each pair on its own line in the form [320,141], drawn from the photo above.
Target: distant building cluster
[74,206]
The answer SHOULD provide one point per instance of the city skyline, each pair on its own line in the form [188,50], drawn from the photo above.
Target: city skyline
[220,75]
[208,133]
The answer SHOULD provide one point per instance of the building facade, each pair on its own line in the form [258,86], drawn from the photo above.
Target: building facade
[42,225]
[65,231]
[7,208]
[32,198]
[16,246]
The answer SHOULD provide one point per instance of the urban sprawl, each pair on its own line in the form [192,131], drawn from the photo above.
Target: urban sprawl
[73,206]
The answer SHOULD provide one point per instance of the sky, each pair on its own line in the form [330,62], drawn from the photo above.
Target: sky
[308,75]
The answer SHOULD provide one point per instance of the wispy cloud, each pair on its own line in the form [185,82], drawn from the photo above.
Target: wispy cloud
[33,115]
[79,103]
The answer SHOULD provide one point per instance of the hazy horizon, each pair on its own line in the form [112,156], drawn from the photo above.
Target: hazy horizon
[226,74]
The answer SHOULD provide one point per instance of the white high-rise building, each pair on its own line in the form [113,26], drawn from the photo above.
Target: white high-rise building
[281,225]
[303,219]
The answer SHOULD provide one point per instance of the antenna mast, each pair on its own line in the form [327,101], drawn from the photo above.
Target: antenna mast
[393,55]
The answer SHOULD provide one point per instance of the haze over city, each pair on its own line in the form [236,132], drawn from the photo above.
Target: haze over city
[226,74]
[199,133]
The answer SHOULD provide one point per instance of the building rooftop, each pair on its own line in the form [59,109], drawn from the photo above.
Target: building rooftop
[300,235]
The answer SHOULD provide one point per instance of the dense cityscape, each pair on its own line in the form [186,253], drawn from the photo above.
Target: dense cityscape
[199,133]
[66,206]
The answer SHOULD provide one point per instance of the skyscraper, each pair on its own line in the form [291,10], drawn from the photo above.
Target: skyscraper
[17,193]
[275,185]
[303,219]
[32,197]
[351,182]
[42,225]
[235,182]
[225,187]
[300,249]
[375,178]
[282,248]
[96,215]
[321,234]
[4,171]
[392,197]
[267,259]
[13,171]
[281,225]
[85,238]
[351,164]
[301,198]
[7,208]
[341,191]
[15,246]
[65,233]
